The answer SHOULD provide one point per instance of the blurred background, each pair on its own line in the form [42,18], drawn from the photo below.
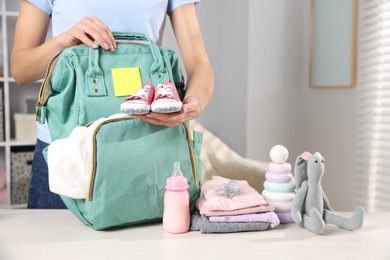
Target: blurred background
[312,75]
[261,54]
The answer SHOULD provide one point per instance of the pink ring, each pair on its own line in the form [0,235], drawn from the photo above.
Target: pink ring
[279,177]
[279,167]
[282,206]
[285,217]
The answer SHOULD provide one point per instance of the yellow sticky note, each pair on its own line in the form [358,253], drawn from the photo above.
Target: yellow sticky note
[126,81]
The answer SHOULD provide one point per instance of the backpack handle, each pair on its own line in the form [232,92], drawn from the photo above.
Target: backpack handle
[94,77]
[137,36]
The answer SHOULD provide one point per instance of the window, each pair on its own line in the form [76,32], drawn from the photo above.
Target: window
[373,130]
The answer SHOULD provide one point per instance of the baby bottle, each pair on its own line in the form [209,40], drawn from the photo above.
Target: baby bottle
[176,218]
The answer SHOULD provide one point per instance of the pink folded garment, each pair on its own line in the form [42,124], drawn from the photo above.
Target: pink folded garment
[247,198]
[203,209]
[269,217]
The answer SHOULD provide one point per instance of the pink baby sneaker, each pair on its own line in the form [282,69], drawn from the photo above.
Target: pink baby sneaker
[166,98]
[139,103]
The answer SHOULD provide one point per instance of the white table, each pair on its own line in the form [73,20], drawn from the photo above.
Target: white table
[57,234]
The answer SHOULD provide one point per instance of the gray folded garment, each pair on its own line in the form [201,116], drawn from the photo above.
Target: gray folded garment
[201,223]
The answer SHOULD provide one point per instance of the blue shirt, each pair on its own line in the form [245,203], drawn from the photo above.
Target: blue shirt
[146,16]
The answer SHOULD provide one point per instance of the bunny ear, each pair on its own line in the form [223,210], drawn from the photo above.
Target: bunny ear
[305,155]
[318,155]
[301,168]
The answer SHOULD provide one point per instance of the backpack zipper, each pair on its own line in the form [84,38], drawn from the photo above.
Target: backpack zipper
[44,90]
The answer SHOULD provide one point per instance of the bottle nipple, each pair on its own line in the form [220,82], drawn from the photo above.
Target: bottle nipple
[176,169]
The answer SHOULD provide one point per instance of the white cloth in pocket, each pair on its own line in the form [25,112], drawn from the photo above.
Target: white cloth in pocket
[70,161]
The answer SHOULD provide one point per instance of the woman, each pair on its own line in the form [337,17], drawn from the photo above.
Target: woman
[91,22]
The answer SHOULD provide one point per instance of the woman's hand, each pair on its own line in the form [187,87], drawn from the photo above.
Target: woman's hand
[200,77]
[31,54]
[190,110]
[90,31]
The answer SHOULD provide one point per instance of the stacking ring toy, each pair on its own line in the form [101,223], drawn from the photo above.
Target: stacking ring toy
[279,167]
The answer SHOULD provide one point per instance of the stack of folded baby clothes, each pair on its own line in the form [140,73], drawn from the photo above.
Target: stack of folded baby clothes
[232,206]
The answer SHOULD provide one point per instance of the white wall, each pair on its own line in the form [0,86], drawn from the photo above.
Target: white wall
[274,77]
[259,52]
[330,128]
[225,32]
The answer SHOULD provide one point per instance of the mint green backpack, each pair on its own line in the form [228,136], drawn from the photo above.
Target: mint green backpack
[79,84]
[131,161]
[131,158]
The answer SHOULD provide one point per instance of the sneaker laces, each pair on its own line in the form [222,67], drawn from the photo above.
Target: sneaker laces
[143,92]
[165,91]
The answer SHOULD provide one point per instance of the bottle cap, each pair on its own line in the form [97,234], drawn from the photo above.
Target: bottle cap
[177,181]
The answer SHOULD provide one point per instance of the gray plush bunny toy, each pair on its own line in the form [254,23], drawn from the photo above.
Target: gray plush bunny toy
[310,206]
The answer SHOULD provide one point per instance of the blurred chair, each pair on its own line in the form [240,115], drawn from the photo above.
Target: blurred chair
[220,160]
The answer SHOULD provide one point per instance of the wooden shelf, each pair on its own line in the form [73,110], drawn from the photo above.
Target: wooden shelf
[14,98]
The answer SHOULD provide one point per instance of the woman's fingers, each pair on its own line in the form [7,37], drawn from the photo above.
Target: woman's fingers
[92,32]
[189,111]
[101,33]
